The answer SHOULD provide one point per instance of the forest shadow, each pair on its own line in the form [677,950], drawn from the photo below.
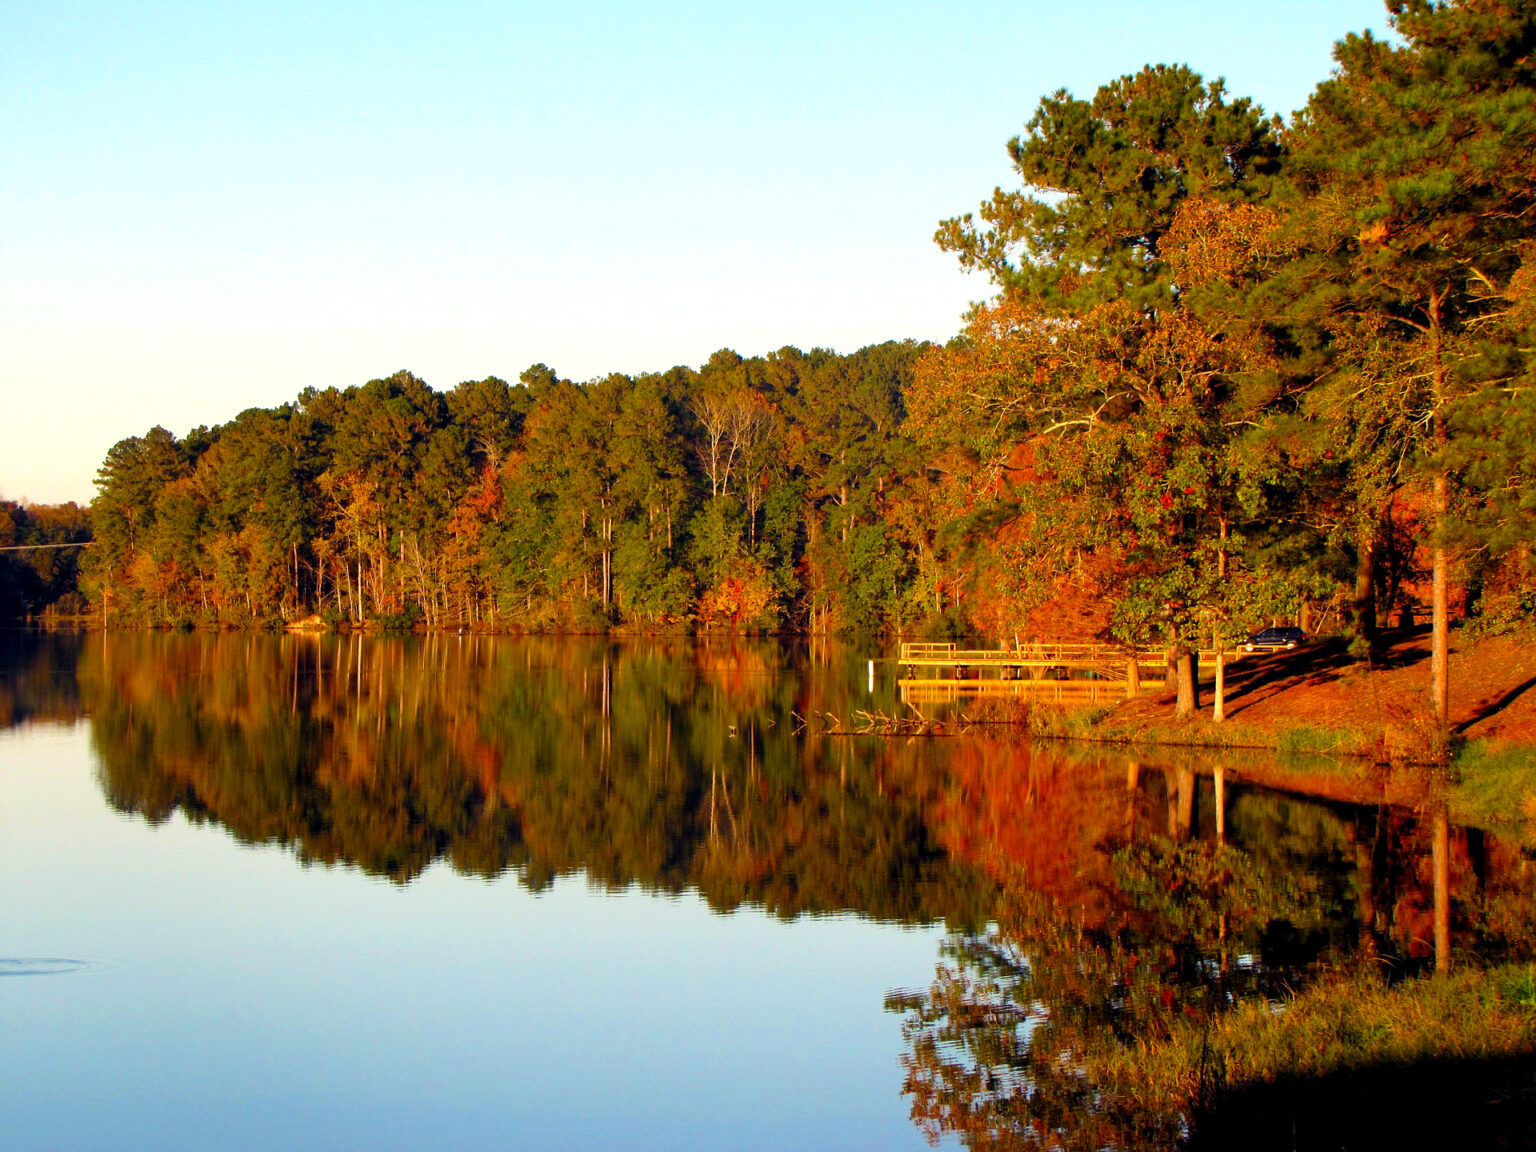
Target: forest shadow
[1452,1103]
[1493,708]
[1395,647]
[1317,664]
[1257,679]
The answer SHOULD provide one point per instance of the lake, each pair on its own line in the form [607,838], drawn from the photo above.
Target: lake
[482,892]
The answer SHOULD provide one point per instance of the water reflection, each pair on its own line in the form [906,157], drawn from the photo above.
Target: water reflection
[37,677]
[1150,914]
[1122,929]
[668,766]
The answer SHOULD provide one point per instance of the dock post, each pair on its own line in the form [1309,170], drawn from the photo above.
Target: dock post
[871,675]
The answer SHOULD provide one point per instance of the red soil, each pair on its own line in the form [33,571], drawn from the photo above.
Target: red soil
[1385,698]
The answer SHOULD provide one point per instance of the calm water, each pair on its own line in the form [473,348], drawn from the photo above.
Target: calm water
[494,893]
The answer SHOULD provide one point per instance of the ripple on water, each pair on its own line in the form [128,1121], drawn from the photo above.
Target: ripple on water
[43,966]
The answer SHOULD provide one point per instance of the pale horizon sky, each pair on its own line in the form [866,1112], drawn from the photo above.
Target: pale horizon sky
[211,207]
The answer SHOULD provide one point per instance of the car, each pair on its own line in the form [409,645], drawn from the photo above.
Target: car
[1275,638]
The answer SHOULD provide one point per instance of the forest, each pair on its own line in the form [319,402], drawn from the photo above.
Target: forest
[754,494]
[37,580]
[1233,369]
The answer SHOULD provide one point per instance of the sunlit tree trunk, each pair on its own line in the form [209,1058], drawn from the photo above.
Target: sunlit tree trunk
[1218,645]
[607,561]
[1219,709]
[1186,673]
[1440,630]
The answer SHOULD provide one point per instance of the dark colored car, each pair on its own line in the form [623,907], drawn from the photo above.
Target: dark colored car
[1275,638]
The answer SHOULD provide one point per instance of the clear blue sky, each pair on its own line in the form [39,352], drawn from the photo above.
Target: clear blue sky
[206,207]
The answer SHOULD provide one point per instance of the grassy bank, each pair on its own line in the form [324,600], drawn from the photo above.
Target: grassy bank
[1133,723]
[1337,1065]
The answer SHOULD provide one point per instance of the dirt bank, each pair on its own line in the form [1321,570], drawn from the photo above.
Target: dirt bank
[1320,698]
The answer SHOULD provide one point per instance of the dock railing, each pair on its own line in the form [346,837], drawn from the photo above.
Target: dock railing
[923,650]
[943,667]
[1041,653]
[926,653]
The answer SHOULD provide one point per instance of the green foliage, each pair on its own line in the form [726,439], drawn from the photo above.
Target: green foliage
[1105,178]
[1235,371]
[1495,787]
[41,581]
[1311,739]
[880,575]
[732,496]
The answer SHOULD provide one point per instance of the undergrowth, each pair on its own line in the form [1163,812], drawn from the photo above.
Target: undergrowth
[1341,1025]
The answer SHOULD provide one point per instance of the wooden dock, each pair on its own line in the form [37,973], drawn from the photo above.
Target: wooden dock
[1027,661]
[1083,672]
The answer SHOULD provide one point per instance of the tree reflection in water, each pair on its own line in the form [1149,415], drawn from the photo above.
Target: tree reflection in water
[1140,925]
[667,765]
[1147,921]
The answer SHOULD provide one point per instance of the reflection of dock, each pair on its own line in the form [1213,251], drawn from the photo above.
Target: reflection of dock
[933,691]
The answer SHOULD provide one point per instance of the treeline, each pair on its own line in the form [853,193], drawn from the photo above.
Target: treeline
[1235,370]
[1235,367]
[756,494]
[40,580]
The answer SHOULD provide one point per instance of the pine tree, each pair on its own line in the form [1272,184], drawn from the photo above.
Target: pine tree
[1415,188]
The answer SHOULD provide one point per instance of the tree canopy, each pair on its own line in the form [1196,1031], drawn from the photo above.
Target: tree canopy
[1234,370]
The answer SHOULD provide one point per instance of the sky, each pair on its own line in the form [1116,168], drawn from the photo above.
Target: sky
[210,207]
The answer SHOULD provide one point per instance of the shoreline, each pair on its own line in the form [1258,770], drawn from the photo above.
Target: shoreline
[1318,700]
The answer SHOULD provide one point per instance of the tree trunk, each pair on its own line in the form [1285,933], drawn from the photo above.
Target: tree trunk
[1364,602]
[1440,630]
[1440,635]
[1186,675]
[1219,710]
